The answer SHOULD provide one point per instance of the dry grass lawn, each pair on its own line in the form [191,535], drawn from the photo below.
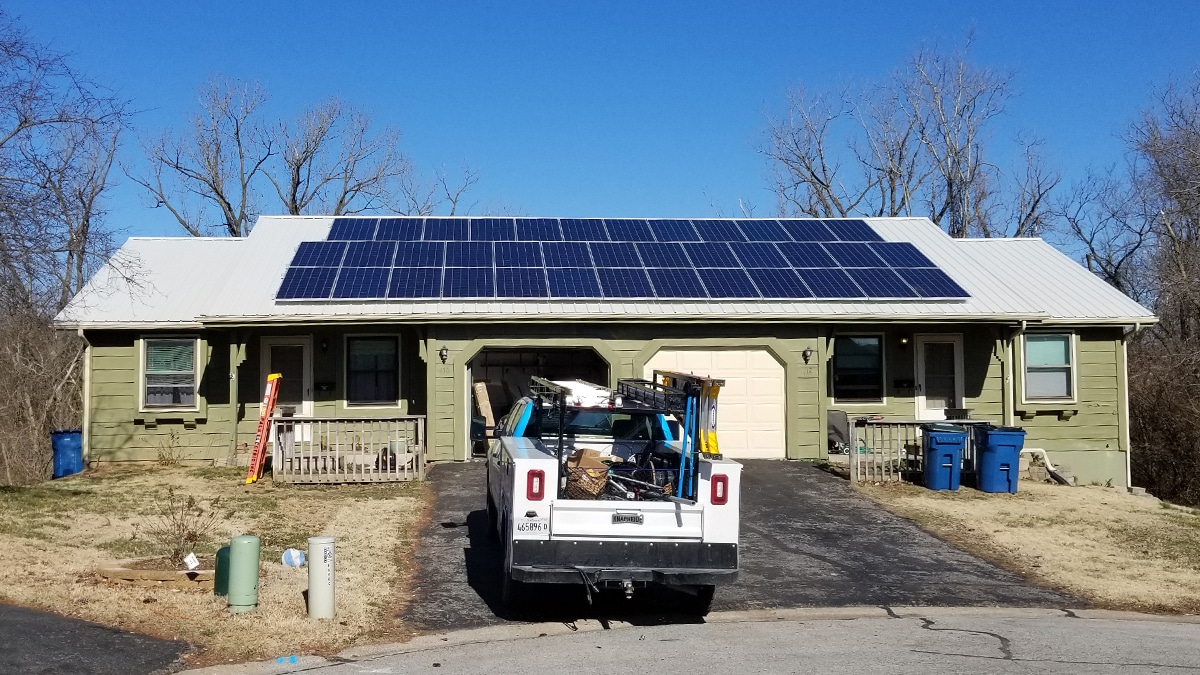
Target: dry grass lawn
[54,536]
[1102,544]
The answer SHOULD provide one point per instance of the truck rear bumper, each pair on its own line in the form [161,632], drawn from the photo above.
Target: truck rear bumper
[671,563]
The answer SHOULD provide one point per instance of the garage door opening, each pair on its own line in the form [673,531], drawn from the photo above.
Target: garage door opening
[506,372]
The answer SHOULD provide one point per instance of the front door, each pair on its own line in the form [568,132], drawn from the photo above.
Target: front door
[939,375]
[292,358]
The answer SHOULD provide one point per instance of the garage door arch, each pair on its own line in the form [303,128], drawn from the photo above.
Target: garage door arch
[753,404]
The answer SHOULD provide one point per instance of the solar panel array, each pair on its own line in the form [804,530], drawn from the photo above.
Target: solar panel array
[510,258]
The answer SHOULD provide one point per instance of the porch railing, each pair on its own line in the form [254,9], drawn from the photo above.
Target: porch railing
[887,450]
[348,450]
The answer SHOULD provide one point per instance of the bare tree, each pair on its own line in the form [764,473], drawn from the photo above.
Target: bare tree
[214,165]
[915,143]
[58,133]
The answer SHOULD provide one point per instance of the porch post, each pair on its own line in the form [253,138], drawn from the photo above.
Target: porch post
[237,354]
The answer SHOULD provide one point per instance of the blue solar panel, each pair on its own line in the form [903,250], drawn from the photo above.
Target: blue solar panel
[854,255]
[415,282]
[538,229]
[469,254]
[901,254]
[493,229]
[352,229]
[518,254]
[758,254]
[400,229]
[726,283]
[830,283]
[468,282]
[614,254]
[566,254]
[852,230]
[931,283]
[807,230]
[445,229]
[711,255]
[779,284]
[808,254]
[678,283]
[520,282]
[573,282]
[367,258]
[663,255]
[319,254]
[881,283]
[370,254]
[583,229]
[628,230]
[420,254]
[673,230]
[763,230]
[630,283]
[362,282]
[718,230]
[307,283]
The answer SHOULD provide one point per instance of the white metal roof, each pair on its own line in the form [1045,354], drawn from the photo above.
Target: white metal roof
[188,282]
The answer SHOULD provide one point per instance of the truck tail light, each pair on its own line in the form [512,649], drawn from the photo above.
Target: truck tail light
[535,485]
[720,490]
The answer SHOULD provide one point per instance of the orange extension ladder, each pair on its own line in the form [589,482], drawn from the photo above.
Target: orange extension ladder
[258,457]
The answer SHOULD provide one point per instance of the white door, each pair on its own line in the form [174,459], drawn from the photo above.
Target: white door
[939,375]
[752,406]
[292,358]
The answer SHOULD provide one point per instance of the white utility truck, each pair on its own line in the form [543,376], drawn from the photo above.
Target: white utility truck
[615,489]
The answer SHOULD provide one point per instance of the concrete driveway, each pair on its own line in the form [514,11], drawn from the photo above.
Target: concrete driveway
[808,540]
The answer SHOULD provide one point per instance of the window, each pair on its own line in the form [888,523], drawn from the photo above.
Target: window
[858,368]
[1048,367]
[169,372]
[372,371]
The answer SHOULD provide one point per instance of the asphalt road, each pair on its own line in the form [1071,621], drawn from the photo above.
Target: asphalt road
[928,641]
[808,540]
[42,643]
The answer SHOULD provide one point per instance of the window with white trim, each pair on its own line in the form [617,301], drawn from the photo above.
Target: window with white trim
[858,368]
[372,370]
[1049,368]
[169,372]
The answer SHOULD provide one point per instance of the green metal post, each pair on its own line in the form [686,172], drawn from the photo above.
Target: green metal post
[243,573]
[221,575]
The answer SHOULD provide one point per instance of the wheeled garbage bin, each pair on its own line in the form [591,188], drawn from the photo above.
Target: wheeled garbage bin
[998,457]
[943,449]
[67,445]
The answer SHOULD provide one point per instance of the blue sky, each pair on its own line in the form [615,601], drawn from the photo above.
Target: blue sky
[619,109]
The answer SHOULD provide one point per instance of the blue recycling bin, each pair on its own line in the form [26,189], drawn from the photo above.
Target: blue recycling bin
[943,449]
[67,445]
[998,457]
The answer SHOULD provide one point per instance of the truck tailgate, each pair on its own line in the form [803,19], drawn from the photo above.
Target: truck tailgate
[626,520]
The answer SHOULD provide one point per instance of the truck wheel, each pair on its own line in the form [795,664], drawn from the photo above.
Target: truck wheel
[700,603]
[512,592]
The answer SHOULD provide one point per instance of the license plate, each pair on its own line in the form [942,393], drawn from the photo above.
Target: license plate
[628,518]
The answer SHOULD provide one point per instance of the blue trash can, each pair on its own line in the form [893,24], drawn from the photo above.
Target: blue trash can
[67,445]
[998,453]
[943,448]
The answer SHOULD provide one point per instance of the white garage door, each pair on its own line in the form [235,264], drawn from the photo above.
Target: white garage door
[751,407]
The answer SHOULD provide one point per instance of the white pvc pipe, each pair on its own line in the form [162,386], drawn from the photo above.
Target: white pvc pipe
[321,604]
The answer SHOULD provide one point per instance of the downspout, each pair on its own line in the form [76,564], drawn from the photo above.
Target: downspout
[237,352]
[1009,380]
[86,436]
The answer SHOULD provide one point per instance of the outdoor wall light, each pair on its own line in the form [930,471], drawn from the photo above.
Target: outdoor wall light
[903,341]
[324,345]
[807,354]
[443,353]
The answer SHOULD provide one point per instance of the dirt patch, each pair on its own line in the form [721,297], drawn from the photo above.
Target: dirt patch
[1114,549]
[57,535]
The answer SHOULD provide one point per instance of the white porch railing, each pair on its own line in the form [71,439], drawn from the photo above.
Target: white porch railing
[886,450]
[348,450]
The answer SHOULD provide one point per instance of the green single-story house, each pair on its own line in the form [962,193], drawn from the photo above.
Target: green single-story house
[371,319]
